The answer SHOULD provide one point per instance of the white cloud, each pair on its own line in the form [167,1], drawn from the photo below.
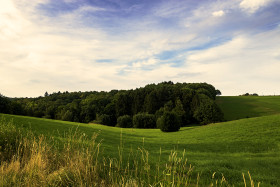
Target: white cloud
[203,20]
[11,21]
[149,62]
[170,9]
[40,53]
[245,64]
[252,6]
[218,13]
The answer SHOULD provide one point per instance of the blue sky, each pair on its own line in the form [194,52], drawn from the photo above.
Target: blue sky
[86,45]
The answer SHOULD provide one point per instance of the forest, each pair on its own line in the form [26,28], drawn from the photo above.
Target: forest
[166,105]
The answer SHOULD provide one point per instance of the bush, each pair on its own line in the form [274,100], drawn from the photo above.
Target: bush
[106,119]
[143,120]
[11,138]
[124,121]
[208,112]
[169,122]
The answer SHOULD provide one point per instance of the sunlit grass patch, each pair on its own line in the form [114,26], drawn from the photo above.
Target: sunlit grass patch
[40,161]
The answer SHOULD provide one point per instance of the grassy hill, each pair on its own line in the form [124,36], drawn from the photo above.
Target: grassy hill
[238,107]
[229,148]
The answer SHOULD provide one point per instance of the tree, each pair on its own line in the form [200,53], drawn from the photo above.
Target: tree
[211,89]
[152,102]
[88,113]
[208,112]
[144,120]
[204,91]
[106,119]
[179,111]
[4,104]
[67,116]
[218,92]
[16,108]
[123,103]
[168,106]
[50,112]
[125,121]
[186,100]
[169,122]
[138,100]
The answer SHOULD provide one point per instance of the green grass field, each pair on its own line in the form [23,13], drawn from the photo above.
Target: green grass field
[238,107]
[229,148]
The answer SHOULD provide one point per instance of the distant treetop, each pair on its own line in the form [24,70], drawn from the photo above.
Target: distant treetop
[247,94]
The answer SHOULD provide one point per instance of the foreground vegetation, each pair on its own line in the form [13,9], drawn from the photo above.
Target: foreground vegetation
[228,149]
[238,107]
[29,160]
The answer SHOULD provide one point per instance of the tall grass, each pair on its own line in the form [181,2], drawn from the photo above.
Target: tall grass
[74,159]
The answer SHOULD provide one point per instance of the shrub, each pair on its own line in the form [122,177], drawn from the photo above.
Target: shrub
[169,122]
[106,119]
[208,112]
[143,120]
[9,143]
[124,121]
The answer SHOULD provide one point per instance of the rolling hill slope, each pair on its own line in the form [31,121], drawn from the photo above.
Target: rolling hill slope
[238,107]
[228,148]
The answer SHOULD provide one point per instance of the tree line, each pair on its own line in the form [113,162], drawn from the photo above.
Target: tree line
[166,105]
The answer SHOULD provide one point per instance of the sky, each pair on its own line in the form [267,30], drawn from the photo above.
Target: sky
[100,45]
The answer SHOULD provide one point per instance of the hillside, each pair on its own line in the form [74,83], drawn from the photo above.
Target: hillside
[238,107]
[228,148]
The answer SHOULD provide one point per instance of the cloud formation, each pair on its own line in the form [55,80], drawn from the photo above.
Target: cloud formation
[253,5]
[218,13]
[98,45]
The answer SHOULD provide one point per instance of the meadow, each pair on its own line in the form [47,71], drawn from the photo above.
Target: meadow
[226,149]
[238,107]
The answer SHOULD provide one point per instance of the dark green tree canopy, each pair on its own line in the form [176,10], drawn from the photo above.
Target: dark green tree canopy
[189,102]
[169,122]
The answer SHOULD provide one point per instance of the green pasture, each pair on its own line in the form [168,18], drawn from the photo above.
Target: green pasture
[229,148]
[238,107]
